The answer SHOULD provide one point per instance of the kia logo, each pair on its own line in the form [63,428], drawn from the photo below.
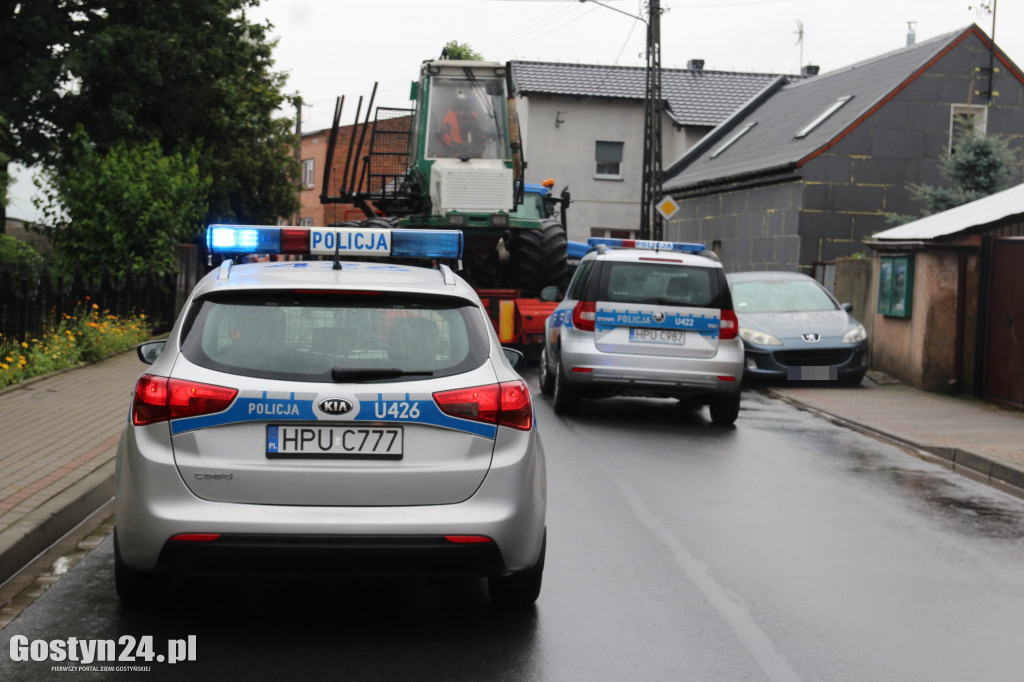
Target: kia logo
[335,406]
[812,338]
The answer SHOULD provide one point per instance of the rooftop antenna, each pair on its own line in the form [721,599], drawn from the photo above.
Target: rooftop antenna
[800,41]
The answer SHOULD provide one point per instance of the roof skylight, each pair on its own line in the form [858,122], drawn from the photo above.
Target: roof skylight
[725,145]
[833,108]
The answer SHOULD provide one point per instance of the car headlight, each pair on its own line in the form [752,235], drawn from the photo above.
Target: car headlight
[758,338]
[855,335]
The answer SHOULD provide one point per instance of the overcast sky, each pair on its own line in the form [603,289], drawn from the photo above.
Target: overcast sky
[342,47]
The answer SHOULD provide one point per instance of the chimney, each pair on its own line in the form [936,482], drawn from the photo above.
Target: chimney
[911,35]
[809,70]
[695,65]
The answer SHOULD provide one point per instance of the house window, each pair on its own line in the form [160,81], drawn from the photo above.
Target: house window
[307,173]
[305,222]
[964,117]
[895,285]
[609,159]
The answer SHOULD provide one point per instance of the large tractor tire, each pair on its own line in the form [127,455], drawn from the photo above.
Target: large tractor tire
[539,258]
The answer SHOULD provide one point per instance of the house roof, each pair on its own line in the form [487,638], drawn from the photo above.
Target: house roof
[695,97]
[771,142]
[967,217]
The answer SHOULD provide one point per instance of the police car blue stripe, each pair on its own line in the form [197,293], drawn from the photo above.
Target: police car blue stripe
[264,409]
[610,318]
[420,412]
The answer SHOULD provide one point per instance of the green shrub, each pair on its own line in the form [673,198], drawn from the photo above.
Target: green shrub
[20,259]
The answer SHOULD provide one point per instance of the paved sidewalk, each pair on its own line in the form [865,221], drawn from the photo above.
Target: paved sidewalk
[58,436]
[59,433]
[978,438]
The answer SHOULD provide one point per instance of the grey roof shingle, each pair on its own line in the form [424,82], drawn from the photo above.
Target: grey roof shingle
[770,144]
[695,96]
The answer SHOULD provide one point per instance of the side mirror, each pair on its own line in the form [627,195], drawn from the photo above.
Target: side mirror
[148,352]
[848,307]
[550,294]
[514,357]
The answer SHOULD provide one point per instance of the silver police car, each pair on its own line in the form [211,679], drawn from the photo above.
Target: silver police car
[645,318]
[331,417]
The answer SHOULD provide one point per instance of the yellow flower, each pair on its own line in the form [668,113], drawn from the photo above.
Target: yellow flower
[3,366]
[24,344]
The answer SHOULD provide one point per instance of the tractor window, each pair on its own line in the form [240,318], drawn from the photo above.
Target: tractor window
[532,207]
[465,120]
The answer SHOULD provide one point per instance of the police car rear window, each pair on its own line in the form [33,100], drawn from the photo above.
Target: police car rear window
[317,337]
[659,283]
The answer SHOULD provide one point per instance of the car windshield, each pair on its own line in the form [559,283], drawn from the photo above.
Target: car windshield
[335,337]
[780,296]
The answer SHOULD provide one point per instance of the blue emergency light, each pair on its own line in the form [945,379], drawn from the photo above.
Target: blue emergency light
[683,247]
[238,240]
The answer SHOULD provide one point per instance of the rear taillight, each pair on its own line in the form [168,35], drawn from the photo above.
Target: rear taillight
[584,315]
[159,399]
[504,404]
[729,327]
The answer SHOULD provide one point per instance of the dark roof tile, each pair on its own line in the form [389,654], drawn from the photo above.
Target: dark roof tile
[695,96]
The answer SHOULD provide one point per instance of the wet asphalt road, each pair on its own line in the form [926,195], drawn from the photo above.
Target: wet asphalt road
[786,548]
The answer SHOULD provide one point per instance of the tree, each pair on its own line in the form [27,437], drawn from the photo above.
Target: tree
[189,74]
[456,50]
[33,39]
[123,209]
[979,166]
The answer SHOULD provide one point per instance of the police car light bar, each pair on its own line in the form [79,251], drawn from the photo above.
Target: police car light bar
[684,247]
[238,240]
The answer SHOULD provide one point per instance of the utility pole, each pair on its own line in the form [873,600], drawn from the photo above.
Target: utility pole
[298,154]
[650,194]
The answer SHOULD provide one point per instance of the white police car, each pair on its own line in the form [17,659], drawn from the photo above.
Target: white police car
[334,418]
[645,318]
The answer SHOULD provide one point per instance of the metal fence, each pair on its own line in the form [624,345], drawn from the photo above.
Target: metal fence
[29,307]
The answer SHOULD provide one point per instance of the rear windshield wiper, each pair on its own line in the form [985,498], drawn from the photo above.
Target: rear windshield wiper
[340,374]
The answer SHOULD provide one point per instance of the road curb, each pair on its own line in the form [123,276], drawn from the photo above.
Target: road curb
[29,537]
[975,465]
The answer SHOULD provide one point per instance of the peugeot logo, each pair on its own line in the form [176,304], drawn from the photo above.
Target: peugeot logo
[658,316]
[335,406]
[812,338]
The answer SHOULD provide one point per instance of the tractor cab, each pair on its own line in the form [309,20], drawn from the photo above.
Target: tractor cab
[465,153]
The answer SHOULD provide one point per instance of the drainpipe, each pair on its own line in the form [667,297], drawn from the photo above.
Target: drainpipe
[961,302]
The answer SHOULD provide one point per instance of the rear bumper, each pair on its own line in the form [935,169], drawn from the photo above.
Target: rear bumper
[330,555]
[153,505]
[595,373]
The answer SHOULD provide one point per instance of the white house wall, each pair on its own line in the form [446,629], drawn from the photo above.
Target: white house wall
[559,142]
[559,136]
